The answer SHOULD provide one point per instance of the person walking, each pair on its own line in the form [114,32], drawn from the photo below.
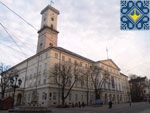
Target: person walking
[110,104]
[130,103]
[83,105]
[79,104]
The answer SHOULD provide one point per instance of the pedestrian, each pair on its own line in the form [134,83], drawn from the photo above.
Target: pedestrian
[79,104]
[76,104]
[73,105]
[83,105]
[130,103]
[110,104]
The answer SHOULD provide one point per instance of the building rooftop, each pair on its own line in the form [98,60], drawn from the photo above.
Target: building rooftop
[74,54]
[50,7]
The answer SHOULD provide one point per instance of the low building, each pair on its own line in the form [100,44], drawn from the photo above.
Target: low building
[140,88]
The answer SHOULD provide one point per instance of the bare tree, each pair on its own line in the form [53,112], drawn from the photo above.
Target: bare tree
[4,78]
[66,74]
[98,81]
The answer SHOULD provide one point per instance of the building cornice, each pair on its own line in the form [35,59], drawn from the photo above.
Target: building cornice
[46,27]
[49,7]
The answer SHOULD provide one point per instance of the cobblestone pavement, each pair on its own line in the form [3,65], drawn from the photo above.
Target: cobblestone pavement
[142,107]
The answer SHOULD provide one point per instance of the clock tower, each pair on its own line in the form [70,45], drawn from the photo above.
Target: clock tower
[48,33]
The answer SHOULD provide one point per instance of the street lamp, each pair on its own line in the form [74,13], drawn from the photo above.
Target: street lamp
[15,83]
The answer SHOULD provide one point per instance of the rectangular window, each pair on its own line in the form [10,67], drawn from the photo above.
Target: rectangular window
[55,79]
[44,80]
[39,80]
[116,87]
[40,57]
[46,55]
[34,82]
[112,82]
[44,96]
[40,68]
[35,70]
[28,97]
[85,65]
[31,71]
[82,97]
[76,83]
[104,85]
[69,82]
[69,60]
[76,97]
[75,62]
[63,58]
[50,95]
[91,84]
[56,66]
[69,97]
[81,64]
[54,95]
[56,55]
[82,83]
[45,66]
[119,87]
[30,82]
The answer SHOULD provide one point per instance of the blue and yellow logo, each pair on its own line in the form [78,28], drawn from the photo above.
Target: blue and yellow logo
[134,15]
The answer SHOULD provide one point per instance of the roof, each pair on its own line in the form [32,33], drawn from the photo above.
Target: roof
[72,53]
[50,7]
[123,74]
[66,51]
[138,79]
[103,61]
[58,48]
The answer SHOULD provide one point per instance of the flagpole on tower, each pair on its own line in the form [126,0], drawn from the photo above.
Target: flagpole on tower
[107,51]
[51,2]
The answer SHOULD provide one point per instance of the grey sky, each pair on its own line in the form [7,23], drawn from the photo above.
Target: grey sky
[86,27]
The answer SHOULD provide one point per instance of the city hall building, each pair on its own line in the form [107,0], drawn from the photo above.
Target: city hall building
[35,72]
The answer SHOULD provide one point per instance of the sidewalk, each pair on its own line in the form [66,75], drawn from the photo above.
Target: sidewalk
[141,107]
[146,111]
[3,111]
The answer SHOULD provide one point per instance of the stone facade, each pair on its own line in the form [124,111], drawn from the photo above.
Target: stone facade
[35,72]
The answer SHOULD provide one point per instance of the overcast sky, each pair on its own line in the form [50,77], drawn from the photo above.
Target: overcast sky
[86,27]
